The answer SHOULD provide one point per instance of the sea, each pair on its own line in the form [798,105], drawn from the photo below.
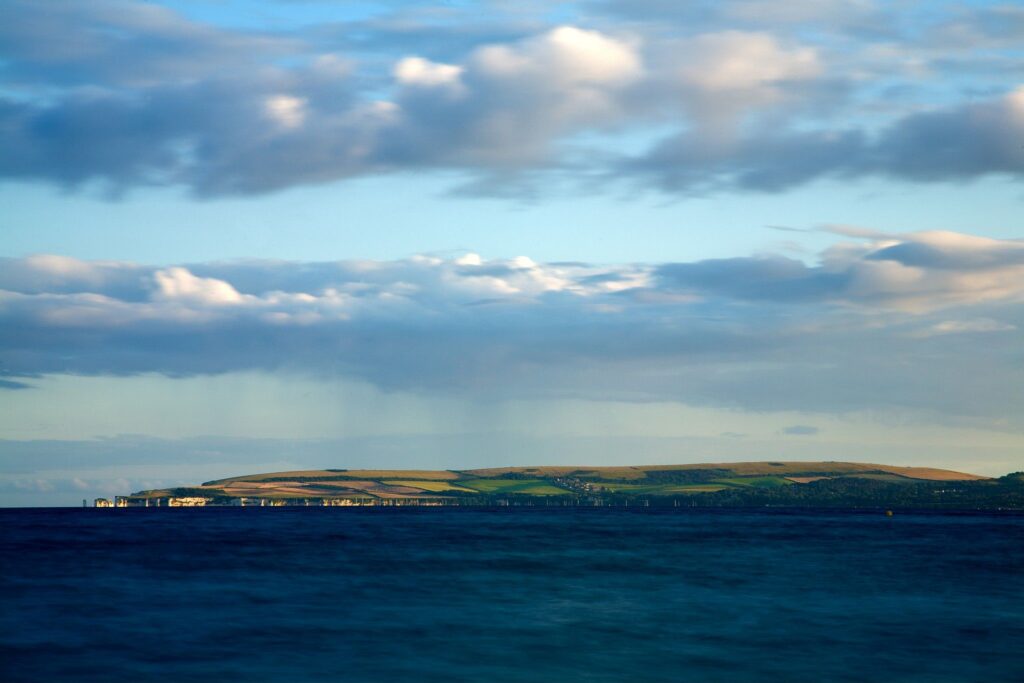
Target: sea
[515,594]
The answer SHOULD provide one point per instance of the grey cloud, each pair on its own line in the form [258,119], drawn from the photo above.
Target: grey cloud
[21,459]
[800,430]
[111,43]
[133,95]
[951,254]
[772,278]
[984,28]
[958,143]
[218,137]
[923,271]
[51,274]
[859,330]
[272,128]
[954,144]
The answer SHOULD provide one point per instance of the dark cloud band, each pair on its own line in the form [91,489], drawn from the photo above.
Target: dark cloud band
[882,323]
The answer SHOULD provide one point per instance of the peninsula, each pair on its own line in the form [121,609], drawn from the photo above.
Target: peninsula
[819,484]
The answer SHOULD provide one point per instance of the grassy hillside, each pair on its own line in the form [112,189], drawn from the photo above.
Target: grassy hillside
[739,481]
[624,473]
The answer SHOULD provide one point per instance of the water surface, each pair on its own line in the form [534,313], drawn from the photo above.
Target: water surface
[509,595]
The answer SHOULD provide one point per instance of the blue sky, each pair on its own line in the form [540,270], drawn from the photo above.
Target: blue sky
[381,218]
[251,235]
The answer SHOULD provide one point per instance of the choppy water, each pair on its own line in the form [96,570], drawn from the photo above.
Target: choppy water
[516,595]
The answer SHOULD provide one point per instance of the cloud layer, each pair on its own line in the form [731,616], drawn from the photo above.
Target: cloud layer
[737,96]
[888,323]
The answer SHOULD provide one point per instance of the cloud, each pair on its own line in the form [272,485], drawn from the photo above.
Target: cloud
[950,144]
[129,95]
[800,430]
[876,323]
[507,106]
[975,326]
[732,61]
[956,143]
[285,110]
[986,28]
[801,11]
[918,272]
[178,284]
[416,71]
[113,43]
[821,14]
[565,55]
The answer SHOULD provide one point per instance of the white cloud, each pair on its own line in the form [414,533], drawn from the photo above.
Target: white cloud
[416,71]
[469,259]
[178,284]
[285,110]
[974,326]
[933,269]
[566,55]
[515,101]
[738,60]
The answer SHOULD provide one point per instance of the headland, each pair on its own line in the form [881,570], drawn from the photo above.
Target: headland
[741,484]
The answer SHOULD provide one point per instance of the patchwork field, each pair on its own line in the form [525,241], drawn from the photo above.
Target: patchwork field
[551,482]
[530,487]
[562,471]
[432,486]
[659,489]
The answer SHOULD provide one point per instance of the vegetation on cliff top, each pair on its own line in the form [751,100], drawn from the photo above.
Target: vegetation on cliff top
[826,484]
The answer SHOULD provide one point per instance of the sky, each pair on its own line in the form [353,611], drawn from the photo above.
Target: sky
[264,235]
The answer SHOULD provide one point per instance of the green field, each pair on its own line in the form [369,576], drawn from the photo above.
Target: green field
[433,486]
[758,482]
[891,478]
[530,487]
[660,489]
[341,475]
[702,487]
[551,471]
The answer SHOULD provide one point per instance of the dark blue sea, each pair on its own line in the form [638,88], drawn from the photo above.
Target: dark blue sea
[512,594]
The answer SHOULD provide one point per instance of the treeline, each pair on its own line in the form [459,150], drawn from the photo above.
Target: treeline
[668,476]
[1006,493]
[184,492]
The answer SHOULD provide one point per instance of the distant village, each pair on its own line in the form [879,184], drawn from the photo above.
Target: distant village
[199,501]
